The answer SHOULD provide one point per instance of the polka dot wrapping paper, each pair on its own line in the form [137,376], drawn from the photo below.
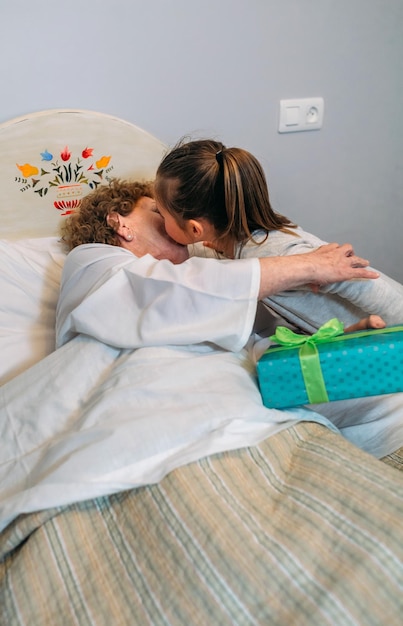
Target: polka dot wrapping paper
[353,365]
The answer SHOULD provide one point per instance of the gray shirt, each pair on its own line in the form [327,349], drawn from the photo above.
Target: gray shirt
[349,301]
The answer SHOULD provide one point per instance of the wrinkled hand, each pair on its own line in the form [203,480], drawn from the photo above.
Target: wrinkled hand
[338,263]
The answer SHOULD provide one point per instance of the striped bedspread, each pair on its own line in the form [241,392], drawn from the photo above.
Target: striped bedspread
[301,529]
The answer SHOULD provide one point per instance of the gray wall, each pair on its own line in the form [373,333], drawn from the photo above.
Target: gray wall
[219,68]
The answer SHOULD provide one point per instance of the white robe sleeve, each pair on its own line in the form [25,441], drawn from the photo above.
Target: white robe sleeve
[128,302]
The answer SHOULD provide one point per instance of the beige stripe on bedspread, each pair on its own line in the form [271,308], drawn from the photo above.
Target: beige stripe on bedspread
[301,529]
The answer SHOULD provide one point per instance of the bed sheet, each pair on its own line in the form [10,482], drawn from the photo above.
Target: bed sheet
[90,420]
[302,528]
[29,288]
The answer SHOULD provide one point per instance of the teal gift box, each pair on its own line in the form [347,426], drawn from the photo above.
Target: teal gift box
[330,365]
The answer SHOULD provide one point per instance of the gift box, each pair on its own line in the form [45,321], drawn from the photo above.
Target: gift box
[330,365]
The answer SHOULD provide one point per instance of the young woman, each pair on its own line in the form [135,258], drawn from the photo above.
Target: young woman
[209,193]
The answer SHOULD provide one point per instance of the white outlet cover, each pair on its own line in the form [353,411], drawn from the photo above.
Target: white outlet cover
[301,114]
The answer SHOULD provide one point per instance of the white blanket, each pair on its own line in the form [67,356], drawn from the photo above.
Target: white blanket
[91,420]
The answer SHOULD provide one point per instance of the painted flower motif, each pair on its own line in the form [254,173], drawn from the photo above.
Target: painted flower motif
[28,170]
[46,156]
[65,155]
[103,162]
[67,176]
[87,152]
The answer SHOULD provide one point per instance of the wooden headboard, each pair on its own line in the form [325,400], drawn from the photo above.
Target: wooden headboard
[50,159]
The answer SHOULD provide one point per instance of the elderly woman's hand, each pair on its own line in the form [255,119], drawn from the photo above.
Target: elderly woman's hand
[328,264]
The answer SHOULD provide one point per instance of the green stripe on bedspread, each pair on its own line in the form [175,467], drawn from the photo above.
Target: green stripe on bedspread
[301,529]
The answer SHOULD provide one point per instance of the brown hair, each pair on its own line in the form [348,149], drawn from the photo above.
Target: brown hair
[89,224]
[226,186]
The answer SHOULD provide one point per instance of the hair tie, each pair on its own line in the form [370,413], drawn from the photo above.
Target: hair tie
[219,157]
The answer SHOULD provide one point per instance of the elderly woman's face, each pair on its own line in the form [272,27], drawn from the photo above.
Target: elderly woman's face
[150,236]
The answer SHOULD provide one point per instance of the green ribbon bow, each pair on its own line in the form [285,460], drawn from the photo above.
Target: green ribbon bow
[332,331]
[309,355]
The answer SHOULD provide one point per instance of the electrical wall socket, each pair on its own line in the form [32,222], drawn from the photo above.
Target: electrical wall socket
[301,114]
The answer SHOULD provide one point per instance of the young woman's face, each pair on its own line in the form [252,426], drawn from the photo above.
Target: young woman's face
[174,230]
[150,235]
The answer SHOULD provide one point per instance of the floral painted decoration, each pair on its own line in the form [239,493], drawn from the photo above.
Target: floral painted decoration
[68,176]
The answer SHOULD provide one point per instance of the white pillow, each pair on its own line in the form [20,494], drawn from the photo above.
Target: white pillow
[30,272]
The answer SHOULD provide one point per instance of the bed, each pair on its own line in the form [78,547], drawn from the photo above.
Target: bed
[294,526]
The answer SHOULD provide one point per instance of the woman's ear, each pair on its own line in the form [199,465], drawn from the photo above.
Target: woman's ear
[198,230]
[114,221]
[117,222]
